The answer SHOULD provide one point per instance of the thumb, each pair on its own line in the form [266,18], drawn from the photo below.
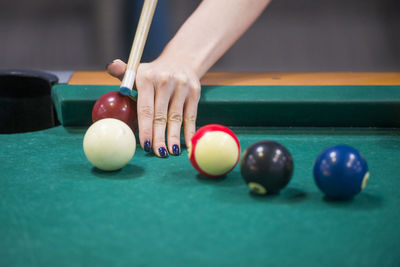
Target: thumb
[116,68]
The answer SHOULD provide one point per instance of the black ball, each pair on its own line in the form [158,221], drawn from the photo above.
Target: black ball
[267,167]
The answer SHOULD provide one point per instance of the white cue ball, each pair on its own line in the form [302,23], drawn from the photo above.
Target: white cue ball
[109,144]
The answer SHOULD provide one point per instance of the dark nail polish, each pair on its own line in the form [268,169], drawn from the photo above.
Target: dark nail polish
[147,146]
[175,150]
[163,152]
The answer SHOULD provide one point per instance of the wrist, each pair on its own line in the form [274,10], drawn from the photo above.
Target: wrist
[184,56]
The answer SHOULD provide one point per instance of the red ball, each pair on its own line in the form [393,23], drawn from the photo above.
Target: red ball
[115,105]
[214,150]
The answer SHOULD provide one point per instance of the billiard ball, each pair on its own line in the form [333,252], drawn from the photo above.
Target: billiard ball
[341,172]
[118,106]
[267,167]
[109,144]
[214,150]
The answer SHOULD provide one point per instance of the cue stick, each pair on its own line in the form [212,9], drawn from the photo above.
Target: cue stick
[135,55]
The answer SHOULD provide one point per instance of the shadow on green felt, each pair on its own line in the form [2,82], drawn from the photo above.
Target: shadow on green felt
[241,195]
[363,201]
[150,154]
[287,195]
[210,180]
[130,171]
[190,178]
[230,180]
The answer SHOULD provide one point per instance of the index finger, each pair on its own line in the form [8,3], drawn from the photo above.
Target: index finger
[145,111]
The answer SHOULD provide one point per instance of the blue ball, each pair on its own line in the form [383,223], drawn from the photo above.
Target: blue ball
[341,172]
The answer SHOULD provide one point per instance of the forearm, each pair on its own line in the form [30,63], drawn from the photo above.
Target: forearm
[211,30]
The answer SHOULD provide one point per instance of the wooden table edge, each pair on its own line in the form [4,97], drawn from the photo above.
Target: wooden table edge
[257,78]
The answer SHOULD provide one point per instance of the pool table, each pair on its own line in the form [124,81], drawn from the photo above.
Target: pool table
[58,210]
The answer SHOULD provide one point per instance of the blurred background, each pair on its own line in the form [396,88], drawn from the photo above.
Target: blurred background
[291,35]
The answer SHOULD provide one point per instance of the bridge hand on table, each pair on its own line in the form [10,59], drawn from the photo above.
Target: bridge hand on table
[168,95]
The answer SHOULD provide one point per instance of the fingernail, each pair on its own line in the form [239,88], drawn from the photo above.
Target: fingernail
[175,150]
[108,64]
[163,152]
[147,146]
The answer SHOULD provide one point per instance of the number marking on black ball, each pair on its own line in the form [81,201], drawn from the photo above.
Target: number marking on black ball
[267,167]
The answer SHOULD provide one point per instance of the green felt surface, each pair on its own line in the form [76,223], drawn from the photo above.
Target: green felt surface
[56,210]
[287,106]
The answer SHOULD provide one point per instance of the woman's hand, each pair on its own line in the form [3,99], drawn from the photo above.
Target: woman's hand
[168,95]
[169,87]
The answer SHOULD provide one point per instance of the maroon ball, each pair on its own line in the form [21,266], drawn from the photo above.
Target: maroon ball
[115,105]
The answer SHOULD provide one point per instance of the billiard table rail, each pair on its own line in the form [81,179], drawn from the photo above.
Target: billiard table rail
[262,99]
